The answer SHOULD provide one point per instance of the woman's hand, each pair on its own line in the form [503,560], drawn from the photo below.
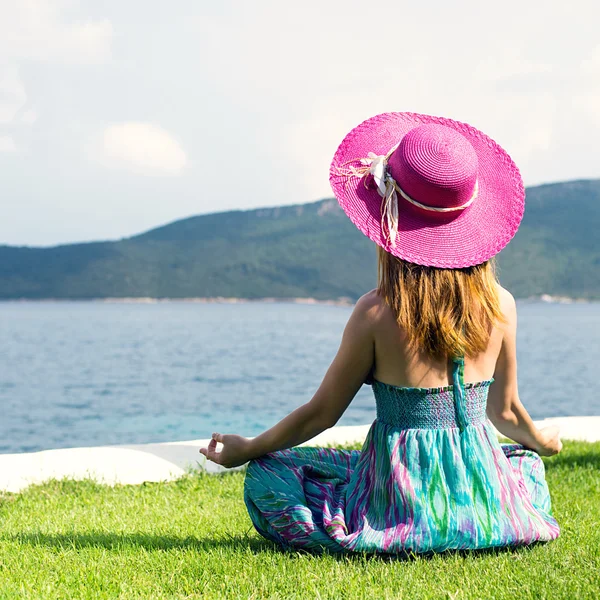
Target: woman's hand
[550,443]
[235,451]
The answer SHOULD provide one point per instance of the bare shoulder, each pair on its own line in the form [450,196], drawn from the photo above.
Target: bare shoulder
[371,313]
[508,305]
[371,305]
[506,298]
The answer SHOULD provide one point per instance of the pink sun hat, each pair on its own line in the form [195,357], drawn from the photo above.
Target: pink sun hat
[429,190]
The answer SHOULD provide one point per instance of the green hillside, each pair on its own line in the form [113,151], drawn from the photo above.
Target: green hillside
[306,250]
[557,248]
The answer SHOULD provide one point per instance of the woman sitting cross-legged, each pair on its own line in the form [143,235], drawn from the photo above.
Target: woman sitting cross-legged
[436,341]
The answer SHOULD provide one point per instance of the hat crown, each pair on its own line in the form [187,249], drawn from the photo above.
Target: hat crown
[435,165]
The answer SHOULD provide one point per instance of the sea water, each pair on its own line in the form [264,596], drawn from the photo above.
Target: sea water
[95,373]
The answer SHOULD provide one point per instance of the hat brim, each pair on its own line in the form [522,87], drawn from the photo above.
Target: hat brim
[455,239]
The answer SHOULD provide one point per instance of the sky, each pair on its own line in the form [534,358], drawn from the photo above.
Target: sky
[117,117]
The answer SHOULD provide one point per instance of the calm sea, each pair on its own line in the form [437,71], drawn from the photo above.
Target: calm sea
[91,373]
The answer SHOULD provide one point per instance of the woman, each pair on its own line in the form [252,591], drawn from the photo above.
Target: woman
[440,199]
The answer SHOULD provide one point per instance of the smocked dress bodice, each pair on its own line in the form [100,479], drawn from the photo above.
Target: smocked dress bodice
[456,405]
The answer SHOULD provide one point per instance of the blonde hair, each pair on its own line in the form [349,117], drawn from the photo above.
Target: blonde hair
[444,312]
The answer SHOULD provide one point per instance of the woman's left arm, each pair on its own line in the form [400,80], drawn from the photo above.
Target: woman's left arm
[343,379]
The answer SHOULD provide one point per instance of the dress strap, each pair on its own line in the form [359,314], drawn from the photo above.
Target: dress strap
[458,386]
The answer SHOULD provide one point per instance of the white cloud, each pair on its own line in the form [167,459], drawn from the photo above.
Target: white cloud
[508,63]
[36,30]
[587,99]
[591,64]
[589,105]
[309,145]
[314,92]
[12,92]
[142,148]
[29,116]
[7,144]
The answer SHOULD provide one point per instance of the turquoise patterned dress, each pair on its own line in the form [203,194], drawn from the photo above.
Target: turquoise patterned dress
[430,476]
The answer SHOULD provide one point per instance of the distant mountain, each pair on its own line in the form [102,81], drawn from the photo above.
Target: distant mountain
[557,248]
[305,250]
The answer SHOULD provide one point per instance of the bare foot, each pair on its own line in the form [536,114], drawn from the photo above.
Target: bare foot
[550,443]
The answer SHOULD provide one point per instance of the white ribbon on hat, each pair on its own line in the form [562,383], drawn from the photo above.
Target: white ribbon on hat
[387,188]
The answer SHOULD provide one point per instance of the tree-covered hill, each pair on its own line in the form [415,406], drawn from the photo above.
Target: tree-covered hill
[306,250]
[557,248]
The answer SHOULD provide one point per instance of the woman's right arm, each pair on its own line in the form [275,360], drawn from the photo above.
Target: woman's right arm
[504,408]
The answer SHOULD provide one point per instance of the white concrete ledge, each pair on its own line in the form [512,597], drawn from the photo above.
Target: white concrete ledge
[163,462]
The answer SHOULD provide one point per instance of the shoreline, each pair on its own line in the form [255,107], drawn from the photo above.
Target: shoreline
[340,301]
[166,461]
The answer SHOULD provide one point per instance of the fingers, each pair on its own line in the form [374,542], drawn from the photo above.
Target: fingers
[208,451]
[211,451]
[212,456]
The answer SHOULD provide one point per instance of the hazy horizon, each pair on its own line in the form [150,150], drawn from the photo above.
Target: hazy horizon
[183,218]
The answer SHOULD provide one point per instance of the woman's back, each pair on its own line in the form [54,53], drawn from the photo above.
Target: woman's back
[398,365]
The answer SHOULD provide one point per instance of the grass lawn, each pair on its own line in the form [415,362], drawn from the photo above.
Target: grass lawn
[192,538]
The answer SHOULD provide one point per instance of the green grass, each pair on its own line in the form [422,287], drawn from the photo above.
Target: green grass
[192,538]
